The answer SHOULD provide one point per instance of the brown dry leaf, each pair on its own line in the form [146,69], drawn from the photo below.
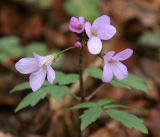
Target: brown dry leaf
[102,132]
[147,11]
[153,121]
[151,69]
[4,134]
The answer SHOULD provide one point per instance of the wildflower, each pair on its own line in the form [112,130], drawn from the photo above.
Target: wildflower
[38,67]
[77,24]
[101,29]
[113,66]
[78,44]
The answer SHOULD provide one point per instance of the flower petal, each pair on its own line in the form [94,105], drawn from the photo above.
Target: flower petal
[88,28]
[123,55]
[50,74]
[106,32]
[107,73]
[36,79]
[26,65]
[108,56]
[119,70]
[81,20]
[94,45]
[104,19]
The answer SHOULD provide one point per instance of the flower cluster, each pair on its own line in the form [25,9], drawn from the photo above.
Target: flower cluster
[101,29]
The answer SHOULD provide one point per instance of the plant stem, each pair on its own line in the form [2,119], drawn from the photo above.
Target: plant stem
[89,97]
[82,92]
[64,50]
[81,75]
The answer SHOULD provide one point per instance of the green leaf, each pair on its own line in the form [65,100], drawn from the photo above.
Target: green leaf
[89,116]
[105,101]
[84,105]
[21,86]
[36,47]
[59,91]
[10,46]
[87,8]
[95,72]
[127,119]
[114,106]
[34,97]
[131,82]
[68,79]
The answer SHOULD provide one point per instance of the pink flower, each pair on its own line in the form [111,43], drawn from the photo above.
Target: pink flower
[38,67]
[113,66]
[78,44]
[101,29]
[77,24]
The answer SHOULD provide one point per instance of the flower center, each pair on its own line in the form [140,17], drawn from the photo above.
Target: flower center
[111,60]
[79,26]
[48,61]
[93,32]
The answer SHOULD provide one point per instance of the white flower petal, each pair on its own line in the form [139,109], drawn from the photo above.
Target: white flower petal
[50,74]
[36,79]
[94,45]
[26,65]
[107,73]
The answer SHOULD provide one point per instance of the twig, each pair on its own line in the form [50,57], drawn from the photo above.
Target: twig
[89,97]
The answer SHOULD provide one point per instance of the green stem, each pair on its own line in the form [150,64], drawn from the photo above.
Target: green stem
[82,92]
[64,51]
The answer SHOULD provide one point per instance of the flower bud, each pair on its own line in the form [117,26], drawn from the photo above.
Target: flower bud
[78,44]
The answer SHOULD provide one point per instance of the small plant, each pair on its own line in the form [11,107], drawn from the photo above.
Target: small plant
[114,72]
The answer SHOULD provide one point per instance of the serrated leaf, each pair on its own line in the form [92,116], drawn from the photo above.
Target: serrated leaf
[110,106]
[105,101]
[68,79]
[34,97]
[10,46]
[36,47]
[59,91]
[95,72]
[87,8]
[89,116]
[21,86]
[131,82]
[127,119]
[84,105]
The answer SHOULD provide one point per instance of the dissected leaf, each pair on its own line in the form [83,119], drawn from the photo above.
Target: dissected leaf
[89,116]
[105,101]
[127,119]
[84,105]
[68,79]
[59,91]
[131,82]
[21,86]
[36,47]
[95,72]
[34,97]
[87,8]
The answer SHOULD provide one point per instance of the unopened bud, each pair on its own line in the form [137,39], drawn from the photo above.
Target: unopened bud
[78,44]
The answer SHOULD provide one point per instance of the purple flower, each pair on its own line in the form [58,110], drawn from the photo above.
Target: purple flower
[113,66]
[101,29]
[78,44]
[77,24]
[38,67]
